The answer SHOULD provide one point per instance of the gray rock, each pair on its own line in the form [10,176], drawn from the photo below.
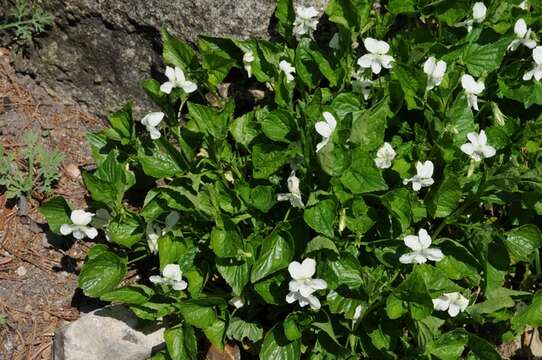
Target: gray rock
[108,333]
[99,50]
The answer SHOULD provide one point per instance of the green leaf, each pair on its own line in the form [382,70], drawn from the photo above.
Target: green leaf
[262,197]
[352,14]
[285,15]
[523,242]
[57,212]
[458,263]
[122,125]
[460,120]
[526,93]
[131,294]
[276,253]
[368,126]
[110,181]
[209,121]
[244,129]
[529,316]
[322,217]
[343,270]
[363,176]
[449,346]
[235,272]
[241,330]
[102,273]
[218,56]
[126,229]
[181,342]
[273,289]
[200,312]
[402,6]
[160,159]
[483,59]
[277,347]
[177,52]
[412,82]
[216,333]
[268,159]
[226,240]
[443,200]
[321,243]
[277,124]
[334,159]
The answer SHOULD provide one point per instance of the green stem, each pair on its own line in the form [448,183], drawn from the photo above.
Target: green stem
[15,24]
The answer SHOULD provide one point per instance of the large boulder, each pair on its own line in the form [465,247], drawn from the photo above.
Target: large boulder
[99,50]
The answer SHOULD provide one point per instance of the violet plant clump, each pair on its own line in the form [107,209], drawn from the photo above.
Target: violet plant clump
[372,188]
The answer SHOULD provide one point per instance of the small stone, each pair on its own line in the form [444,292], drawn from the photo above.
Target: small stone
[72,171]
[108,333]
[21,271]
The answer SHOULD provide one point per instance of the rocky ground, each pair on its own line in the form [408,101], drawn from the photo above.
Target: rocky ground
[38,272]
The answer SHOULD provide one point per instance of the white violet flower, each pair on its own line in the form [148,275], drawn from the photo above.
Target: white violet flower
[523,36]
[248,58]
[435,71]
[478,148]
[305,21]
[536,71]
[151,122]
[288,69]
[303,285]
[524,5]
[421,249]
[472,88]
[176,79]
[154,232]
[453,302]
[326,129]
[294,194]
[377,57]
[423,177]
[79,227]
[384,156]
[171,276]
[479,12]
[237,301]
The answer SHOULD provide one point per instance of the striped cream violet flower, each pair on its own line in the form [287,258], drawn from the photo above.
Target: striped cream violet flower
[79,227]
[378,57]
[305,22]
[171,276]
[472,89]
[453,302]
[523,36]
[326,129]
[248,58]
[176,79]
[302,286]
[423,177]
[384,156]
[435,71]
[479,12]
[478,147]
[287,69]
[536,71]
[421,249]
[151,122]
[294,194]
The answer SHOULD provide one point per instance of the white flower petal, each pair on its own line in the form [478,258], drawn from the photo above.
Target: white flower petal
[166,87]
[441,303]
[173,272]
[90,232]
[81,217]
[433,254]
[424,238]
[323,129]
[66,229]
[413,242]
[330,120]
